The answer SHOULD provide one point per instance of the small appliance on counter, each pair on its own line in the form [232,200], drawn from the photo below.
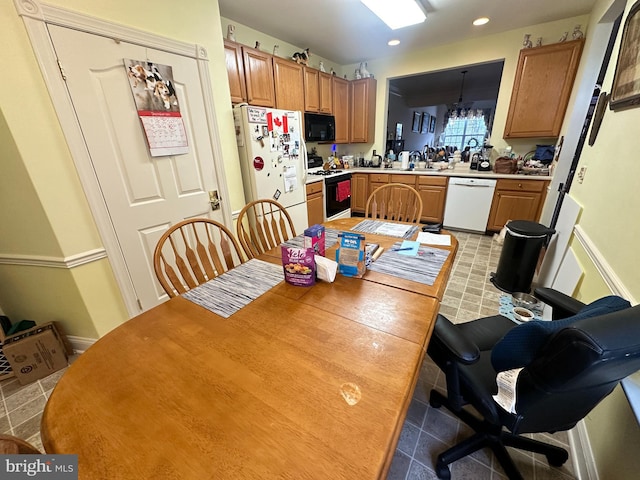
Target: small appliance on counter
[484,163]
[314,161]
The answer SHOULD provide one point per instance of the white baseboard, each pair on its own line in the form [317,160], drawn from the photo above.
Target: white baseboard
[80,344]
[584,464]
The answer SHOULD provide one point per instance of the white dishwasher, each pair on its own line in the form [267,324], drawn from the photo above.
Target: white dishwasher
[468,203]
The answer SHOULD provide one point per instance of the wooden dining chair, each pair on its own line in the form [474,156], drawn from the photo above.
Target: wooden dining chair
[192,252]
[10,445]
[394,201]
[263,225]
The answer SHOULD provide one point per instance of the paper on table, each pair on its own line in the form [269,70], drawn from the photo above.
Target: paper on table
[290,178]
[434,239]
[393,229]
[409,248]
[506,396]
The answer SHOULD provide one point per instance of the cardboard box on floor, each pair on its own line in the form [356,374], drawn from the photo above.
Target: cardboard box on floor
[35,353]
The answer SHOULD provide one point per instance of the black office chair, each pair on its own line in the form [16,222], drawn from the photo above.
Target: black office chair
[569,365]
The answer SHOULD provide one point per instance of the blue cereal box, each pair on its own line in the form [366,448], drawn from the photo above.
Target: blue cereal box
[314,238]
[351,254]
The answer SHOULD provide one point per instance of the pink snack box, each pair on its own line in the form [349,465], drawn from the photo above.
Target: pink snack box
[299,266]
[314,238]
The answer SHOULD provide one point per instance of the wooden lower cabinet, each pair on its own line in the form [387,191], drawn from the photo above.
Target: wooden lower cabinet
[315,203]
[516,200]
[513,199]
[433,191]
[359,192]
[377,180]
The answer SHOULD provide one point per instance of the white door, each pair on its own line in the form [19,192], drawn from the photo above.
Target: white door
[144,195]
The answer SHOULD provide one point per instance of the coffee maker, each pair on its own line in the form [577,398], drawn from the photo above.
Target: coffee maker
[484,162]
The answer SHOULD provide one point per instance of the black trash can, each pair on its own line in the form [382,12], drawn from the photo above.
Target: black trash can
[522,245]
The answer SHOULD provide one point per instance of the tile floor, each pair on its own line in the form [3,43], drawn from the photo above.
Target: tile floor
[426,432]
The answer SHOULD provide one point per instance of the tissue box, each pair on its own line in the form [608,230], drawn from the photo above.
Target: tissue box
[314,238]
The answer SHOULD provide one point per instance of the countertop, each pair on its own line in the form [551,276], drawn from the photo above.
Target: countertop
[461,170]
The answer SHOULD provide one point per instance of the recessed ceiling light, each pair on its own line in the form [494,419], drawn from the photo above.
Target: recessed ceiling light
[396,14]
[481,21]
[394,42]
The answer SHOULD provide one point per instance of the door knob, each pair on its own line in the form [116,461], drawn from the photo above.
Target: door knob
[214,200]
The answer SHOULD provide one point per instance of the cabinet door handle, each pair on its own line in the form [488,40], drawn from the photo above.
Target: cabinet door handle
[519,185]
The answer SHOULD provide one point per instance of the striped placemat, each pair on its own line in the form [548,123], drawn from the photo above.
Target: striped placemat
[330,239]
[228,293]
[423,268]
[382,228]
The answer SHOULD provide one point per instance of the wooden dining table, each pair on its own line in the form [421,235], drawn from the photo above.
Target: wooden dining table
[301,383]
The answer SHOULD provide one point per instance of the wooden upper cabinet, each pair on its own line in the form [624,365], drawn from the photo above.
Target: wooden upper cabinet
[363,110]
[311,90]
[235,71]
[541,89]
[325,86]
[341,108]
[289,84]
[318,91]
[258,71]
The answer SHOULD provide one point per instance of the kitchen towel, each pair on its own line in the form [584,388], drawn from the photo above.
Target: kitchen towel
[228,293]
[343,190]
[423,268]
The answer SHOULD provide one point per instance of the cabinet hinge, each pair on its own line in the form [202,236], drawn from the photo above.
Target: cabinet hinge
[62,72]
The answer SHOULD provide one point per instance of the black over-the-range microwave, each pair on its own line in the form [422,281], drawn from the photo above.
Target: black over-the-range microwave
[319,128]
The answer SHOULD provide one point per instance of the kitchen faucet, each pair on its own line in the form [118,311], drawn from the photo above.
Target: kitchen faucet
[414,157]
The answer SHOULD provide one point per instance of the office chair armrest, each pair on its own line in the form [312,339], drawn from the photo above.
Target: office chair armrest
[455,342]
[563,305]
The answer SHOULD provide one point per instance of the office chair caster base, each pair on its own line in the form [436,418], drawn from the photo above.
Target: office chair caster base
[557,459]
[434,399]
[442,471]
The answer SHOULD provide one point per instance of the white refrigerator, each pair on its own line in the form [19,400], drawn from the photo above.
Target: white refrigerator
[273,158]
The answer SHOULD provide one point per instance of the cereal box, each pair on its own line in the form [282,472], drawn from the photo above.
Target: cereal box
[314,238]
[299,266]
[351,254]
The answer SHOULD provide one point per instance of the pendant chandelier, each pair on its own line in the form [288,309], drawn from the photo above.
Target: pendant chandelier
[457,111]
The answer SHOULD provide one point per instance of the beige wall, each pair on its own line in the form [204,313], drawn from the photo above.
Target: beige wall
[610,201]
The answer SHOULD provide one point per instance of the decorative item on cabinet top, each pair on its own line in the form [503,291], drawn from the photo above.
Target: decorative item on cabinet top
[231,32]
[302,57]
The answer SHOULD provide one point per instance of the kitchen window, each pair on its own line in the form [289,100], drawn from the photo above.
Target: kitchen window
[461,130]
